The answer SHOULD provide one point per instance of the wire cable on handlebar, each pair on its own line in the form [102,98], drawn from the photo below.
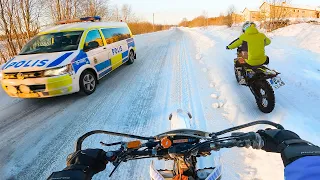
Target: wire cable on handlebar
[83,137]
[278,126]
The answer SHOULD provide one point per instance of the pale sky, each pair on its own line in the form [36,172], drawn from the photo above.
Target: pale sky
[172,11]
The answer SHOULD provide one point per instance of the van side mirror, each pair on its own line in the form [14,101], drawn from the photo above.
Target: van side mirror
[91,45]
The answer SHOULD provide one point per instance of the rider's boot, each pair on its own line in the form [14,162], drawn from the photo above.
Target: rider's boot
[242,80]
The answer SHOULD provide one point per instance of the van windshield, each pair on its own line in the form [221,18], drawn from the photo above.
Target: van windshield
[53,42]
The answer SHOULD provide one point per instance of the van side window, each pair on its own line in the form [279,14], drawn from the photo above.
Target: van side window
[113,35]
[93,40]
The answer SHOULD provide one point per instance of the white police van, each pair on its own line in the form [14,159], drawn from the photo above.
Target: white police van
[68,58]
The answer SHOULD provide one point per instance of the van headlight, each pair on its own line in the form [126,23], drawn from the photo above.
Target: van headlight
[58,71]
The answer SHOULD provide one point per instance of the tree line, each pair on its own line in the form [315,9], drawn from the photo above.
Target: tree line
[276,15]
[229,18]
[20,20]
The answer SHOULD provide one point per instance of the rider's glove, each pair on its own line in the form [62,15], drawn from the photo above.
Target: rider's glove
[288,143]
[82,165]
[274,137]
[92,159]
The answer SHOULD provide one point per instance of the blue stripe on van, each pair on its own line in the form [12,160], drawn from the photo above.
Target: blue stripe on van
[131,44]
[60,59]
[80,60]
[125,54]
[105,72]
[6,64]
[125,59]
[103,65]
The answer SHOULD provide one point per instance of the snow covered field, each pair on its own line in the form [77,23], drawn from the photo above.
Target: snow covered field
[179,68]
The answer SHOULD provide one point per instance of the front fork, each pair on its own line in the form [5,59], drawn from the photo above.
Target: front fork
[187,168]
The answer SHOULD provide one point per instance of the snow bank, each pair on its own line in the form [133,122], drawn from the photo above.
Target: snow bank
[304,35]
[294,53]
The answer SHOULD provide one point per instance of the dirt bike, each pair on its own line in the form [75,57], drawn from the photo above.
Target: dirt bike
[261,80]
[183,146]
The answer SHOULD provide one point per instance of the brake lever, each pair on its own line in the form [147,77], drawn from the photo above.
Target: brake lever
[111,144]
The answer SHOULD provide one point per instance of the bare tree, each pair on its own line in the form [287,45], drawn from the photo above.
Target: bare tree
[95,8]
[19,21]
[205,15]
[230,13]
[116,15]
[126,12]
[275,13]
[184,22]
[70,9]
[64,9]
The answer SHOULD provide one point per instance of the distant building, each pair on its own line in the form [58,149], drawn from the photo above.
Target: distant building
[288,11]
[251,15]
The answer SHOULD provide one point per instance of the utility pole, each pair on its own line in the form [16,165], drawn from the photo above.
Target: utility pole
[153,22]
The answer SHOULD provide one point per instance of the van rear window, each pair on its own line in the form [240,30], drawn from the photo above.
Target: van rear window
[53,42]
[116,34]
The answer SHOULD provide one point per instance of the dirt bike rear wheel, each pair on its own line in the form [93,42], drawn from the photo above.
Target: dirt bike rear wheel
[265,98]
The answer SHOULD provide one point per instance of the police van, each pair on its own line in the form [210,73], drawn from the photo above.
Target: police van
[68,58]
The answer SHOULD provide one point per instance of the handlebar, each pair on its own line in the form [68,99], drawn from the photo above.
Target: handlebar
[278,126]
[181,143]
[250,139]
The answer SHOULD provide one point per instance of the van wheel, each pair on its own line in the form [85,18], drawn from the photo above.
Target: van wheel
[88,82]
[131,57]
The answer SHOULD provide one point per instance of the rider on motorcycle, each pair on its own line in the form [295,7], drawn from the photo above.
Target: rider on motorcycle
[300,158]
[251,47]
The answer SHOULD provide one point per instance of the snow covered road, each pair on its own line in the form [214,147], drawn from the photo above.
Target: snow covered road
[179,68]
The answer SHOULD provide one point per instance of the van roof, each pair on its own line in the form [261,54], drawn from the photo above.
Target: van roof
[81,26]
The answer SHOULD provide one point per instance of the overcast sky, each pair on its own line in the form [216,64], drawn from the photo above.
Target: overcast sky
[172,11]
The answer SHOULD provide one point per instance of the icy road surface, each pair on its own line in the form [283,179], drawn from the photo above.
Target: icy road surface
[180,68]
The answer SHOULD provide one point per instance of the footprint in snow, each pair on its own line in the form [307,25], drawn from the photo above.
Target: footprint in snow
[198,56]
[204,69]
[215,96]
[218,105]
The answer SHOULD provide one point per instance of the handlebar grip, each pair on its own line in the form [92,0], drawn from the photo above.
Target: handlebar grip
[246,140]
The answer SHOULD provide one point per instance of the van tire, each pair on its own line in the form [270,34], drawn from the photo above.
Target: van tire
[131,57]
[88,82]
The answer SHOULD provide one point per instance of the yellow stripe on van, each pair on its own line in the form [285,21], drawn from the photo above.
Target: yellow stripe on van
[59,91]
[116,61]
[59,82]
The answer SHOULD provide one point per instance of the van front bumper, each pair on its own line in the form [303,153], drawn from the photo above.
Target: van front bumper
[38,87]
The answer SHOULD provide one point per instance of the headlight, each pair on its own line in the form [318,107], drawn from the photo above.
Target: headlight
[58,71]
